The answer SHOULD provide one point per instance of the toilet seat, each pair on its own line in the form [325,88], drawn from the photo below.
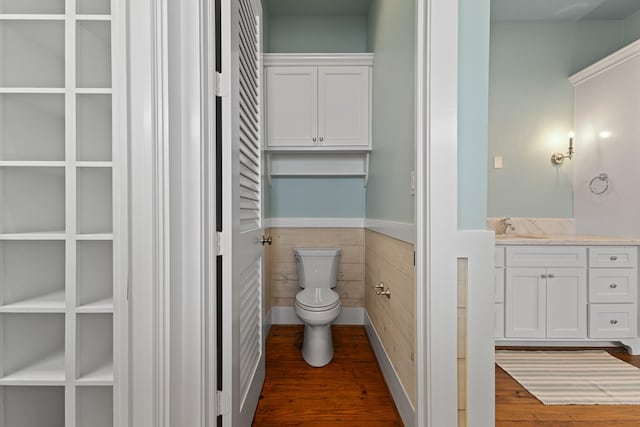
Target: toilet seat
[317,299]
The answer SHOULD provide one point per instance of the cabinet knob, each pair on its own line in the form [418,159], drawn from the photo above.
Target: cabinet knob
[613,257]
[313,139]
[551,276]
[613,321]
[613,285]
[544,276]
[321,139]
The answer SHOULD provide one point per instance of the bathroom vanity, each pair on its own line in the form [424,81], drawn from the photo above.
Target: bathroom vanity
[566,289]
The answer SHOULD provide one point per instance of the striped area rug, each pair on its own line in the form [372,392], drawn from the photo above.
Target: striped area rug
[573,377]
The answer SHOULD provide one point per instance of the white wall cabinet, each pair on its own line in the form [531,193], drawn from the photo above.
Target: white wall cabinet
[318,106]
[62,214]
[318,114]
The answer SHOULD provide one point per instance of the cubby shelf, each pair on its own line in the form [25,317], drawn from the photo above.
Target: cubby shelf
[85,164]
[61,213]
[31,164]
[103,376]
[102,306]
[53,302]
[48,371]
[95,236]
[41,235]
[31,17]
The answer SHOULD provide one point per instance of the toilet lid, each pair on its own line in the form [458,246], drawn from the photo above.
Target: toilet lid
[316,299]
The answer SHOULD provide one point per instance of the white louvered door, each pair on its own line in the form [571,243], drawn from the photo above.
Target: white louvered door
[243,344]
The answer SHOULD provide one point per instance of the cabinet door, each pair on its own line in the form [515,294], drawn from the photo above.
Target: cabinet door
[292,106]
[343,106]
[525,303]
[566,303]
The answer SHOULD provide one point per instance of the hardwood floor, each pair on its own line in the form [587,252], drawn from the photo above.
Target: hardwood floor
[349,391]
[515,406]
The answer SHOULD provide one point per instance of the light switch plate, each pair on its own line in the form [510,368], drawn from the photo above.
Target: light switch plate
[497,162]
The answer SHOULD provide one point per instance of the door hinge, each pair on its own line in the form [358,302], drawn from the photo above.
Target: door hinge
[219,244]
[219,90]
[224,403]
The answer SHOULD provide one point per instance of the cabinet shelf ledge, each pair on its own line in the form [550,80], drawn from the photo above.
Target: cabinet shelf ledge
[318,149]
[102,376]
[53,302]
[48,371]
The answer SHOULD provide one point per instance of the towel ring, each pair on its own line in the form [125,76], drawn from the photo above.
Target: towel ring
[599,184]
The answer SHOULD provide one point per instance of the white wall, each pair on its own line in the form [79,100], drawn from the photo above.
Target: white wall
[608,101]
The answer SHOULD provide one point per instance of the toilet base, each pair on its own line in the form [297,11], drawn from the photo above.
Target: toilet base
[317,346]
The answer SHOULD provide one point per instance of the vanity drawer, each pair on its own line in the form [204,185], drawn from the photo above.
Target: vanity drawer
[612,320]
[613,285]
[499,257]
[499,284]
[613,256]
[546,256]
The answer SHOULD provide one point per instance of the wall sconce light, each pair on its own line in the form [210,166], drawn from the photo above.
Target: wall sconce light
[558,158]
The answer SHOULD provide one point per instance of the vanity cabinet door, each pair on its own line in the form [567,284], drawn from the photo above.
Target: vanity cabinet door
[292,106]
[525,303]
[566,303]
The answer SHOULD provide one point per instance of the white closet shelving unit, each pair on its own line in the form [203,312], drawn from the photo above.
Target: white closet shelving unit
[63,258]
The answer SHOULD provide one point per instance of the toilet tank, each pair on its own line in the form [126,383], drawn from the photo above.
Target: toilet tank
[317,268]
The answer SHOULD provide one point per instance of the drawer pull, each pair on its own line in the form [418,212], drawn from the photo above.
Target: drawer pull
[613,258]
[613,321]
[613,285]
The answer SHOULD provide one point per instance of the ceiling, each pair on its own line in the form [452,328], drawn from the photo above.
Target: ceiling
[562,10]
[317,7]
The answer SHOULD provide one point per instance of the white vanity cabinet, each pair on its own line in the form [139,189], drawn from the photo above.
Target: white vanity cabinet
[498,290]
[545,292]
[613,289]
[546,302]
[318,106]
[568,293]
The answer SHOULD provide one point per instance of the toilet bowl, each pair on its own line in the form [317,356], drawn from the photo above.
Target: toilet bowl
[317,304]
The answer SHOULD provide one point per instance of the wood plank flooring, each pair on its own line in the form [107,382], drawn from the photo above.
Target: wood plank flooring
[515,406]
[349,391]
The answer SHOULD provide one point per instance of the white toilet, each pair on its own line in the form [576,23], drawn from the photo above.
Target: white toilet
[317,304]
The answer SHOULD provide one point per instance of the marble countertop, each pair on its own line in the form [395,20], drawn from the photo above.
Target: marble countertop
[564,239]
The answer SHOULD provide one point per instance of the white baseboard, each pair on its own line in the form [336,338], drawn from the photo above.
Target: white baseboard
[505,342]
[266,325]
[399,394]
[314,223]
[287,316]
[397,230]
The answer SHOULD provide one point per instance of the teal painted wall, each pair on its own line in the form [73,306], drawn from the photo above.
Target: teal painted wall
[294,34]
[392,39]
[317,198]
[632,28]
[473,105]
[531,110]
[266,28]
